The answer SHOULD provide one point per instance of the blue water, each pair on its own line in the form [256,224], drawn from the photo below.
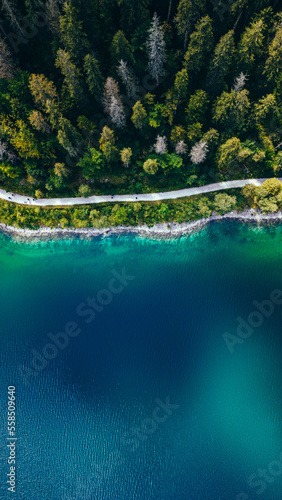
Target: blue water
[146,401]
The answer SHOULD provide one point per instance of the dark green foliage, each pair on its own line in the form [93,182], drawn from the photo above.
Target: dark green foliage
[220,64]
[200,45]
[57,115]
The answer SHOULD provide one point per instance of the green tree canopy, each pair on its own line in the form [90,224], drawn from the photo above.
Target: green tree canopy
[199,47]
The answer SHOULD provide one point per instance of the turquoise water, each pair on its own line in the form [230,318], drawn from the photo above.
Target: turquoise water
[145,400]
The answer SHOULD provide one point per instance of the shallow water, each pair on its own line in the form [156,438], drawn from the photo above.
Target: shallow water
[91,424]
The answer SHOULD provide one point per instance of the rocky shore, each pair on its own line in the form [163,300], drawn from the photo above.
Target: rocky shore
[164,230]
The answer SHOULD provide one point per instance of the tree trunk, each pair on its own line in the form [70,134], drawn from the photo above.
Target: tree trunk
[169,10]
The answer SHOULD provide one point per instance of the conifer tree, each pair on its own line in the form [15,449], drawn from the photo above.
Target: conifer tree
[71,73]
[53,111]
[197,107]
[10,8]
[7,67]
[273,65]
[68,137]
[42,89]
[125,155]
[250,46]
[200,45]
[120,49]
[199,152]
[178,134]
[266,107]
[239,82]
[139,116]
[188,12]
[5,153]
[133,13]
[128,79]
[231,109]
[181,86]
[220,64]
[229,155]
[160,145]
[94,76]
[181,148]
[107,135]
[71,33]
[53,15]
[156,49]
[113,103]
[37,121]
[107,144]
[60,170]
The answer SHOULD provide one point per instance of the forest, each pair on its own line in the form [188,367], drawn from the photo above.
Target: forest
[119,96]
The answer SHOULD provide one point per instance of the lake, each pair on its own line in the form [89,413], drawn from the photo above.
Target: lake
[143,368]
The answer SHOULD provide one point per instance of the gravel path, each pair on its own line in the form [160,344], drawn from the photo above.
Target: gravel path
[168,195]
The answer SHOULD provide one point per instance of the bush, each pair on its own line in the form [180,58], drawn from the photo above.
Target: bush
[273,186]
[84,191]
[224,203]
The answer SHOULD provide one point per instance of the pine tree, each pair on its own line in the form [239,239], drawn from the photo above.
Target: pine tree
[228,153]
[133,13]
[220,64]
[156,49]
[239,82]
[9,7]
[120,49]
[53,111]
[113,103]
[37,121]
[7,68]
[181,148]
[71,73]
[188,12]
[72,35]
[5,153]
[169,10]
[273,65]
[91,13]
[265,108]
[107,135]
[94,76]
[116,112]
[42,89]
[53,15]
[125,155]
[68,137]
[250,46]
[107,144]
[60,170]
[211,137]
[128,80]
[22,139]
[197,107]
[231,109]
[176,95]
[32,8]
[199,48]
[160,145]
[180,87]
[178,133]
[199,152]
[139,117]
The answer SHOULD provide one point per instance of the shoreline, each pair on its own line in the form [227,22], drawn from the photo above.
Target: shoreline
[166,230]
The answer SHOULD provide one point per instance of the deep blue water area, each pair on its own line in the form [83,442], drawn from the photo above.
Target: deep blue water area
[142,368]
